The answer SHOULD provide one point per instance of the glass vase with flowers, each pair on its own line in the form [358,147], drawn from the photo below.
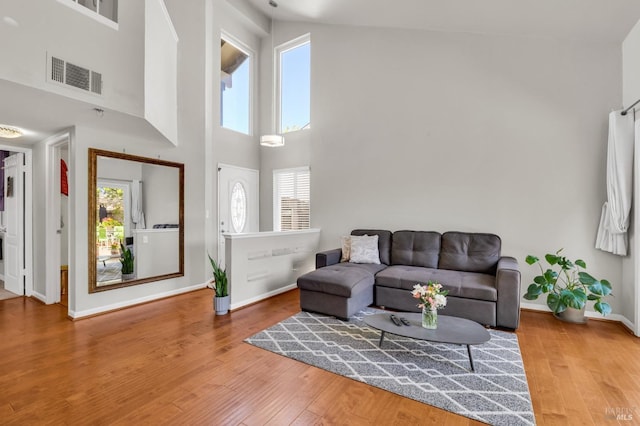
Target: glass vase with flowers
[432,297]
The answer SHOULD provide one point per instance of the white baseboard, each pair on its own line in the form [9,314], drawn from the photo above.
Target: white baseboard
[40,297]
[263,296]
[588,314]
[128,303]
[631,326]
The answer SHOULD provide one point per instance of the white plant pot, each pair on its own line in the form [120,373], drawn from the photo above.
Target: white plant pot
[221,304]
[575,316]
[126,277]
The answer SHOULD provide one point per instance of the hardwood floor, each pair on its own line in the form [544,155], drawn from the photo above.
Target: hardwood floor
[174,362]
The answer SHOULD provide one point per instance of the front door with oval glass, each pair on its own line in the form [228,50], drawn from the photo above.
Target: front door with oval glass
[237,203]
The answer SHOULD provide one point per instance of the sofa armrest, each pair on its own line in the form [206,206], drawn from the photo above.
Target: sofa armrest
[508,286]
[328,257]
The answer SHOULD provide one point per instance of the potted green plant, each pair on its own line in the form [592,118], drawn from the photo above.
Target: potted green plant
[126,259]
[569,287]
[221,299]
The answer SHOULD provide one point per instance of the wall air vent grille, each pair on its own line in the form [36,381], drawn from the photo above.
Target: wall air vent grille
[96,82]
[57,70]
[76,76]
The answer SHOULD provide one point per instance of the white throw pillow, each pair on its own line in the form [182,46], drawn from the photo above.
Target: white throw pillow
[364,249]
[346,248]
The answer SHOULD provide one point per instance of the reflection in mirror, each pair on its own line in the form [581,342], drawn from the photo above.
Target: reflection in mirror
[136,228]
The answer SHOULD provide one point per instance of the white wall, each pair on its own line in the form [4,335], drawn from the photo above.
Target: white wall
[156,252]
[161,56]
[188,19]
[117,169]
[441,131]
[51,27]
[264,264]
[161,194]
[631,93]
[203,143]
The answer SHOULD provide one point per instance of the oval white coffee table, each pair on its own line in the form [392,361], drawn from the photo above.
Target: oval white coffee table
[453,330]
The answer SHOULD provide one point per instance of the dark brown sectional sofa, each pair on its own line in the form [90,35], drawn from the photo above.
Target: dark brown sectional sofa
[483,285]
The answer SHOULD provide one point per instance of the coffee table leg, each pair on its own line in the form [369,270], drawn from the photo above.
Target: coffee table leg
[470,358]
[381,339]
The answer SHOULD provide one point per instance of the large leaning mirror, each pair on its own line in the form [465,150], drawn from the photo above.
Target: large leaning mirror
[136,220]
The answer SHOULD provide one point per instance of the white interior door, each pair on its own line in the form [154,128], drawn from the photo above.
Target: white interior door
[238,206]
[14,221]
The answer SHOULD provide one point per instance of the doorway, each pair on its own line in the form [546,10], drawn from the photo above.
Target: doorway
[113,226]
[58,285]
[238,203]
[15,220]
[13,209]
[63,154]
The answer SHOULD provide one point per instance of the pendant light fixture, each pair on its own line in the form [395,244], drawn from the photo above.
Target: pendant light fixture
[274,139]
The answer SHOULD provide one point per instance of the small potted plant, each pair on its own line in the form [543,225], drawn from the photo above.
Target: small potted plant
[568,287]
[221,299]
[126,259]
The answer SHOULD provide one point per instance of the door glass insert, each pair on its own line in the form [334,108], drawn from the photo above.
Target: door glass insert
[238,207]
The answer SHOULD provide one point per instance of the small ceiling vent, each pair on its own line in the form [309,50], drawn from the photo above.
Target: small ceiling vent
[76,76]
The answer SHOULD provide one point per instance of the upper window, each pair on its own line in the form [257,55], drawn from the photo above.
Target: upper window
[294,83]
[291,199]
[235,78]
[97,8]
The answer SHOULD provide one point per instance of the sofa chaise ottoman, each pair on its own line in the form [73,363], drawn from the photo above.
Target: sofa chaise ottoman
[483,285]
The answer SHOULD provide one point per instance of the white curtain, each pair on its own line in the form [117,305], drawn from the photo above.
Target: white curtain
[137,215]
[614,220]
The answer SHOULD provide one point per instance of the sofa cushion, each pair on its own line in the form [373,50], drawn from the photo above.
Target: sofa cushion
[384,242]
[340,280]
[415,248]
[462,251]
[345,242]
[471,285]
[403,276]
[372,268]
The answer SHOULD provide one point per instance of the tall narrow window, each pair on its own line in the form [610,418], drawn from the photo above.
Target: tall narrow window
[291,199]
[294,83]
[235,87]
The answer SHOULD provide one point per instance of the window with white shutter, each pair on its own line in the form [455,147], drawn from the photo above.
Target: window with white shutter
[291,199]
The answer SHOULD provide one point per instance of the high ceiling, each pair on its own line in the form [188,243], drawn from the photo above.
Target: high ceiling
[591,20]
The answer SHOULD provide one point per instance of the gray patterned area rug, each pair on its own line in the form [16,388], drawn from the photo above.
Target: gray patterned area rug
[433,373]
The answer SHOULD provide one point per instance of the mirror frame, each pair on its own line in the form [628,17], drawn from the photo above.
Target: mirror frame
[93,183]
